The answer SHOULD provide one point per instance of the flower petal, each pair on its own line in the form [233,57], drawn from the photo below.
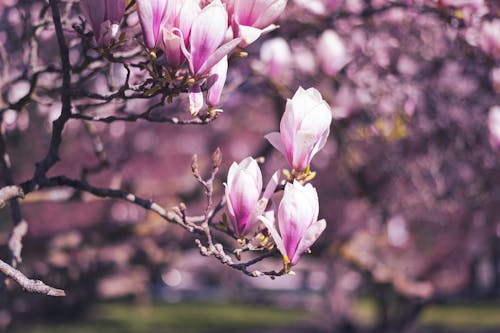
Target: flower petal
[195,100]
[310,236]
[274,139]
[215,90]
[216,56]
[303,146]
[248,34]
[152,16]
[207,33]
[295,215]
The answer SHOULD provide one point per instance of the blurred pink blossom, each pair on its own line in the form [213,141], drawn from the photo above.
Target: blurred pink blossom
[303,58]
[304,128]
[317,7]
[495,79]
[489,37]
[298,221]
[104,17]
[276,56]
[471,10]
[494,125]
[331,52]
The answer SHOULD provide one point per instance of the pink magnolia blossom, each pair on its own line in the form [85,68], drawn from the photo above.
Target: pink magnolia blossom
[298,221]
[153,15]
[252,18]
[176,30]
[104,17]
[207,34]
[206,50]
[332,53]
[304,128]
[243,195]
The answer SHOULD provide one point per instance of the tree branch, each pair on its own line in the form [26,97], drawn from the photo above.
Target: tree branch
[52,156]
[32,286]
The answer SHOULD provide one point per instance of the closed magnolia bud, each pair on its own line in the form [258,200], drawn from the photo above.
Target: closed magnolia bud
[298,225]
[304,128]
[243,195]
[243,188]
[331,52]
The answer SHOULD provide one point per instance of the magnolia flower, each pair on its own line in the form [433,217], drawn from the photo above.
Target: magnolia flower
[298,223]
[252,18]
[205,50]
[207,34]
[243,195]
[104,17]
[304,128]
[332,53]
[153,15]
[177,30]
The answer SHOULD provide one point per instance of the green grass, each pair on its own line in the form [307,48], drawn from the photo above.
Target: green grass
[480,316]
[178,318]
[466,316]
[235,318]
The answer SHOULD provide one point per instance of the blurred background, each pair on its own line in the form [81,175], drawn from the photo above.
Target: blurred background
[407,181]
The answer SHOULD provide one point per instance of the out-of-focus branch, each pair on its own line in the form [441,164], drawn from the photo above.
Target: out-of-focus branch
[200,120]
[57,125]
[14,192]
[99,152]
[32,286]
[16,241]
[10,192]
[123,195]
